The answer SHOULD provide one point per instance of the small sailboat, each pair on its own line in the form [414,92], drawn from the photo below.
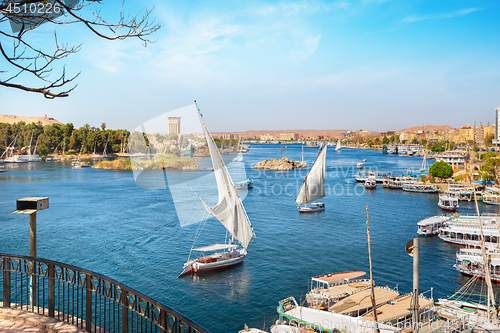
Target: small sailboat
[94,155]
[302,161]
[313,187]
[337,148]
[229,211]
[78,164]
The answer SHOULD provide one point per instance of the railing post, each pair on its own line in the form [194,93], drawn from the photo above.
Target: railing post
[88,303]
[6,282]
[52,291]
[124,311]
[163,321]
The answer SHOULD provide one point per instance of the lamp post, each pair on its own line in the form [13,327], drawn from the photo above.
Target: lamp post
[31,206]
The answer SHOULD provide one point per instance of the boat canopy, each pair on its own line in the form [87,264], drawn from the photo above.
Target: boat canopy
[334,277]
[216,247]
[433,220]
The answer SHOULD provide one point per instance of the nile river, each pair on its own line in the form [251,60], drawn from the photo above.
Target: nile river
[102,221]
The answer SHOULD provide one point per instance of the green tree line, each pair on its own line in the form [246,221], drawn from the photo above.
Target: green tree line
[61,135]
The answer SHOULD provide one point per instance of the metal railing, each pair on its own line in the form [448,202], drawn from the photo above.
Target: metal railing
[87,300]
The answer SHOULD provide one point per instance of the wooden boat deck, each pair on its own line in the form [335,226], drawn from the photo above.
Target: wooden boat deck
[398,308]
[347,288]
[362,300]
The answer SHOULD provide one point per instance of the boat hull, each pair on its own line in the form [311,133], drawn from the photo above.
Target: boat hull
[311,209]
[194,266]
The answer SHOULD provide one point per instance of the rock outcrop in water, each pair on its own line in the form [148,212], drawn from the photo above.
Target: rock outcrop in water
[279,165]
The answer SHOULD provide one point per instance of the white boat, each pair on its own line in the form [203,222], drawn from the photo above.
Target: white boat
[302,161]
[313,187]
[337,148]
[370,184]
[448,200]
[229,211]
[491,199]
[421,188]
[398,182]
[379,176]
[2,168]
[467,233]
[79,164]
[431,225]
[360,165]
[469,261]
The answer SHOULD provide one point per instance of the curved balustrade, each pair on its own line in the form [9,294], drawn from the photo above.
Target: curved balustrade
[87,300]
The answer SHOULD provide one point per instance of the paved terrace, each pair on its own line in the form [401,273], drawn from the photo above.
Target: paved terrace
[17,321]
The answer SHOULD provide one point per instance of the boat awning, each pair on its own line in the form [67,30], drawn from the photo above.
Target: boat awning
[433,220]
[216,247]
[330,278]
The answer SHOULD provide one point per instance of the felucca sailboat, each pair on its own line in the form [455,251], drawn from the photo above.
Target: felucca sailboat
[313,187]
[337,148]
[229,211]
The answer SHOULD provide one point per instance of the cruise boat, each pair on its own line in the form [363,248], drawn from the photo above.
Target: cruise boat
[469,261]
[491,199]
[328,289]
[466,231]
[370,184]
[229,211]
[448,200]
[313,187]
[465,191]
[379,176]
[421,188]
[398,182]
[432,225]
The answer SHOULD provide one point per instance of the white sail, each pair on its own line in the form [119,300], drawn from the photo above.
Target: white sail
[229,209]
[313,187]
[338,145]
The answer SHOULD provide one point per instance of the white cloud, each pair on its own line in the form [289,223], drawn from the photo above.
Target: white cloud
[309,46]
[440,16]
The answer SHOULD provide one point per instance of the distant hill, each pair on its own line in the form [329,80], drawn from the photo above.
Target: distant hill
[426,128]
[28,120]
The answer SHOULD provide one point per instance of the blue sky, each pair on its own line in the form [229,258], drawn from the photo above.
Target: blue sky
[365,64]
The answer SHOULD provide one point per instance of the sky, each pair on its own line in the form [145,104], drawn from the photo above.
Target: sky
[254,65]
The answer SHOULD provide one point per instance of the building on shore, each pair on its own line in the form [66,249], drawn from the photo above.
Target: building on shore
[289,136]
[174,125]
[266,137]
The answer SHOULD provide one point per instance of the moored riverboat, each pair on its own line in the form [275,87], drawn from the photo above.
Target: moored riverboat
[379,176]
[431,225]
[448,201]
[421,188]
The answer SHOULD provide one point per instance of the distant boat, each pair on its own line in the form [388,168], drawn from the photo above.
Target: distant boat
[302,160]
[448,200]
[337,148]
[230,212]
[360,165]
[370,184]
[78,164]
[244,184]
[313,187]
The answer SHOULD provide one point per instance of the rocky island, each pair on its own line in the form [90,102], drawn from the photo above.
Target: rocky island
[284,164]
[158,162]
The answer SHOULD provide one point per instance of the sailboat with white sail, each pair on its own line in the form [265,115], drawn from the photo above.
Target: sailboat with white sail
[313,187]
[229,211]
[337,148]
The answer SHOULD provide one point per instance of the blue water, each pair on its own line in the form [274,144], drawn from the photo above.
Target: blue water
[102,221]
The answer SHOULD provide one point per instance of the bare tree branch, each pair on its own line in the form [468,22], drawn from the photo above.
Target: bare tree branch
[27,58]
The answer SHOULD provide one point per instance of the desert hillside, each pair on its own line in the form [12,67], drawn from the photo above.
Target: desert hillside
[28,120]
[426,128]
